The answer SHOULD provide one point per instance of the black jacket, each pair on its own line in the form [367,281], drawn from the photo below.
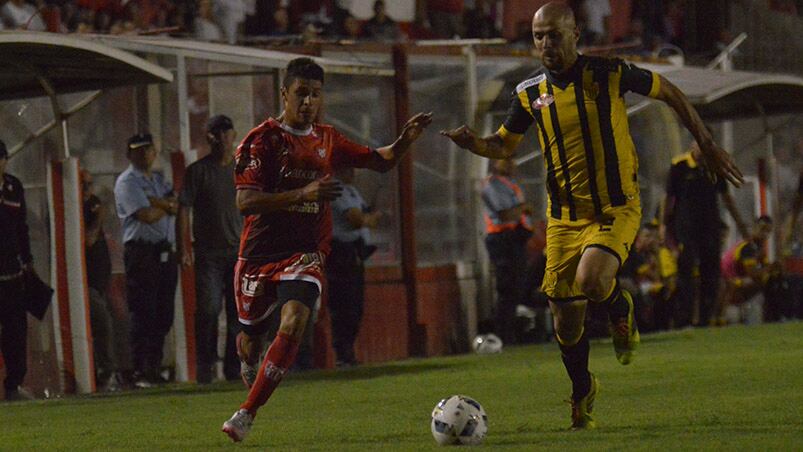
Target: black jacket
[16,245]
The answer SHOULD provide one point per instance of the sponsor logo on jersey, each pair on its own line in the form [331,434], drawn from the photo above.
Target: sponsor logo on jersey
[530,82]
[321,152]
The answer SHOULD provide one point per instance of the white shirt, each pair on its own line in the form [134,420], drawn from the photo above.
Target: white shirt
[595,12]
[24,16]
[206,30]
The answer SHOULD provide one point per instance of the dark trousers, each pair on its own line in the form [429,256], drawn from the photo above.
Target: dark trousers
[508,253]
[150,292]
[102,333]
[214,289]
[13,333]
[345,276]
[705,250]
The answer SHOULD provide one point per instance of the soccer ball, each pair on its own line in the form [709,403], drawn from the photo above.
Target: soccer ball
[459,420]
[487,343]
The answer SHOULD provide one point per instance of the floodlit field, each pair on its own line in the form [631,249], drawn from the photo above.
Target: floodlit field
[737,388]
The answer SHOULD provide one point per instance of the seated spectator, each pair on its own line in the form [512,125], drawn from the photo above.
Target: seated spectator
[446,18]
[650,275]
[22,15]
[596,15]
[206,29]
[281,23]
[381,27]
[747,272]
[478,21]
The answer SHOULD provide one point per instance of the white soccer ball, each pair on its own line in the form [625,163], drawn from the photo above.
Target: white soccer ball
[459,420]
[487,343]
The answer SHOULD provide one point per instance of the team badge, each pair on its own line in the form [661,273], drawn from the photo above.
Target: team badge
[543,101]
[252,286]
[321,152]
[591,90]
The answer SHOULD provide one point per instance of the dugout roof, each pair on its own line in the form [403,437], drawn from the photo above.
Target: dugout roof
[67,64]
[250,56]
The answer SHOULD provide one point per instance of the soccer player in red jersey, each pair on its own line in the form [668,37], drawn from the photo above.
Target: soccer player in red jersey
[284,185]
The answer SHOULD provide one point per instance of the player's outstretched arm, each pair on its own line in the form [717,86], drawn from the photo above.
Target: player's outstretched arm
[253,202]
[492,146]
[717,160]
[391,154]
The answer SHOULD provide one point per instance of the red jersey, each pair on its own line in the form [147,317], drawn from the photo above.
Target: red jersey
[279,159]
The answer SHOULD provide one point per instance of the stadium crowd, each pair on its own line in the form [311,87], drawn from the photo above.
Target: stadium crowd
[653,23]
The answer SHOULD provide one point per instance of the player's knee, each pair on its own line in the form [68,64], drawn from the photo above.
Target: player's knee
[594,286]
[294,318]
[568,338]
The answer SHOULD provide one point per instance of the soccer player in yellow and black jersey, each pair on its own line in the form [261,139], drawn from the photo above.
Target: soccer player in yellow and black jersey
[593,211]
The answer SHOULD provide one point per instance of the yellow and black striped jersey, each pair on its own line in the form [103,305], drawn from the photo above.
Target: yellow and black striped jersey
[582,125]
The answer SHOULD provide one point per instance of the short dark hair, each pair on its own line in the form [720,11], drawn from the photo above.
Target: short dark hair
[219,123]
[304,68]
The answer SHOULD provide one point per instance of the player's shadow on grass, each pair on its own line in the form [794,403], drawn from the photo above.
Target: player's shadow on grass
[372,371]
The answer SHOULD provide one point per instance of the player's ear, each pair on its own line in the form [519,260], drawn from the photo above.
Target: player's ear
[576,34]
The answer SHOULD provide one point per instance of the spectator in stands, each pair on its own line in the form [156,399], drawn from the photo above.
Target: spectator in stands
[478,21]
[650,275]
[206,28]
[147,207]
[98,276]
[15,260]
[746,272]
[231,16]
[694,225]
[381,27]
[208,192]
[635,39]
[446,18]
[652,15]
[508,227]
[345,266]
[22,15]
[596,16]
[281,23]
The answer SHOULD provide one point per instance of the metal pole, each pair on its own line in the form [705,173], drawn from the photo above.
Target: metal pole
[58,115]
[183,111]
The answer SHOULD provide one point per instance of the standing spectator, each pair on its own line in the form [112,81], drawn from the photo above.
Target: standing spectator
[19,14]
[596,14]
[692,220]
[508,227]
[381,27]
[209,192]
[446,17]
[98,275]
[206,29]
[147,207]
[345,266]
[15,260]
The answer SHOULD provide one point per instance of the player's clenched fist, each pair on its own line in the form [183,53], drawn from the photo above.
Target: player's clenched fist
[323,189]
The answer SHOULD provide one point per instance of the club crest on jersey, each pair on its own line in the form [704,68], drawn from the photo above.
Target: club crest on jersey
[321,152]
[252,286]
[591,90]
[543,101]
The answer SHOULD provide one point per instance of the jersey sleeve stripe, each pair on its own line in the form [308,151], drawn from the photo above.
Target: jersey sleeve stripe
[656,86]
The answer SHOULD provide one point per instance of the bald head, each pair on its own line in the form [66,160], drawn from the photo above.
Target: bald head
[555,36]
[555,12]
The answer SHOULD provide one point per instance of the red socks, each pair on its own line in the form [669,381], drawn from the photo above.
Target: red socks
[281,355]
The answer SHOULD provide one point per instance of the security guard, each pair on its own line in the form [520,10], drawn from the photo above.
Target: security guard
[147,209]
[15,260]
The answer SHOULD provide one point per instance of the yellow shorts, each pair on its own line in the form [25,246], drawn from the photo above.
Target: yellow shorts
[614,231]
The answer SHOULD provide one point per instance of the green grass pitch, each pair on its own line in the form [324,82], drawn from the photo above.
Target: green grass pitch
[737,388]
